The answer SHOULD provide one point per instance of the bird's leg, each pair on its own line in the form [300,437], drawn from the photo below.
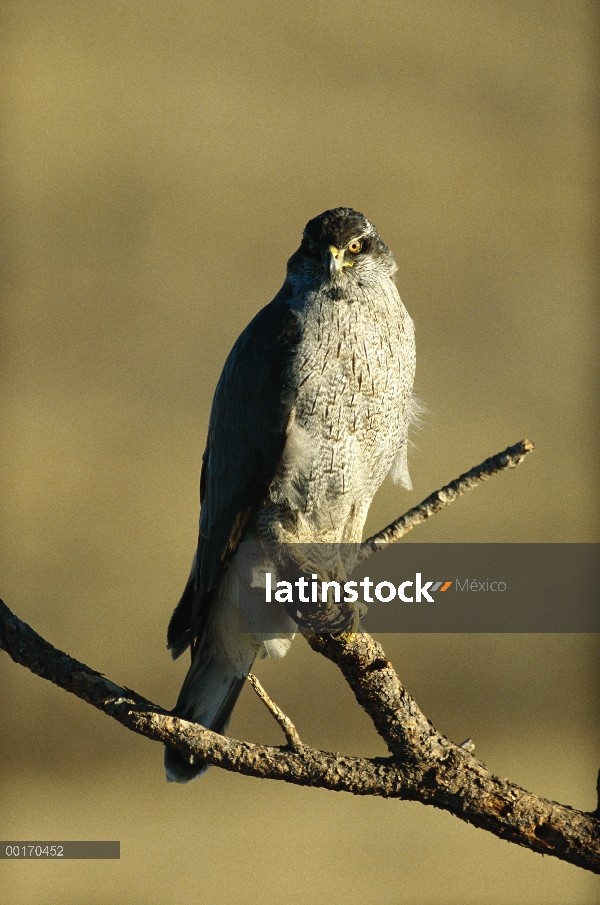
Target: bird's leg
[358,606]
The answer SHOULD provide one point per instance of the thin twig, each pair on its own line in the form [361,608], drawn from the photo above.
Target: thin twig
[288,728]
[511,457]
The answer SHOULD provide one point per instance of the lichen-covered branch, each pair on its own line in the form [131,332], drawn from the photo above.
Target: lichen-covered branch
[424,767]
[510,458]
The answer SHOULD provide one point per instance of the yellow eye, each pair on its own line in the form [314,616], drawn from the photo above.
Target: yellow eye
[355,246]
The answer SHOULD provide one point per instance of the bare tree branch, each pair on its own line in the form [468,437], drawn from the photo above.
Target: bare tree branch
[429,768]
[458,782]
[424,766]
[510,458]
[289,730]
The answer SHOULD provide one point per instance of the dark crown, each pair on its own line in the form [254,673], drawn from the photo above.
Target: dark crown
[338,226]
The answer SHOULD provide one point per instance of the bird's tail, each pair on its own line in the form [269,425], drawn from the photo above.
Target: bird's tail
[208,695]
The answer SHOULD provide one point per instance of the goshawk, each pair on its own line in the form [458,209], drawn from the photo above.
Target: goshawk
[310,414]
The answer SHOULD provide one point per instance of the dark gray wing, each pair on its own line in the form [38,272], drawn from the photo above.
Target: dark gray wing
[246,437]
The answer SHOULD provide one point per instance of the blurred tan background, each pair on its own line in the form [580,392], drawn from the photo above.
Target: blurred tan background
[158,163]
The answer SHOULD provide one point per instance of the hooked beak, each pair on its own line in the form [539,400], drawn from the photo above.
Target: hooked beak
[334,260]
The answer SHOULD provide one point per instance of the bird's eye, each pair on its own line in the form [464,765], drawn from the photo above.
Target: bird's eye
[355,246]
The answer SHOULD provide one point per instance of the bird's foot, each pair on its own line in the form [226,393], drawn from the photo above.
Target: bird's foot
[359,609]
[329,616]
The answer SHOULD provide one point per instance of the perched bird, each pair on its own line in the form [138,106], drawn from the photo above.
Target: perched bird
[310,414]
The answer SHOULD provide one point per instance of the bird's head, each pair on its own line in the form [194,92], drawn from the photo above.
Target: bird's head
[341,245]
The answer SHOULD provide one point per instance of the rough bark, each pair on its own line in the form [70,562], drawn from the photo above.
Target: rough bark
[423,765]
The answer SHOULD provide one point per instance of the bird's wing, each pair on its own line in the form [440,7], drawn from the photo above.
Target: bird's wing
[246,438]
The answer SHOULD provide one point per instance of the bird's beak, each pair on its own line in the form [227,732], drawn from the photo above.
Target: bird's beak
[334,260]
